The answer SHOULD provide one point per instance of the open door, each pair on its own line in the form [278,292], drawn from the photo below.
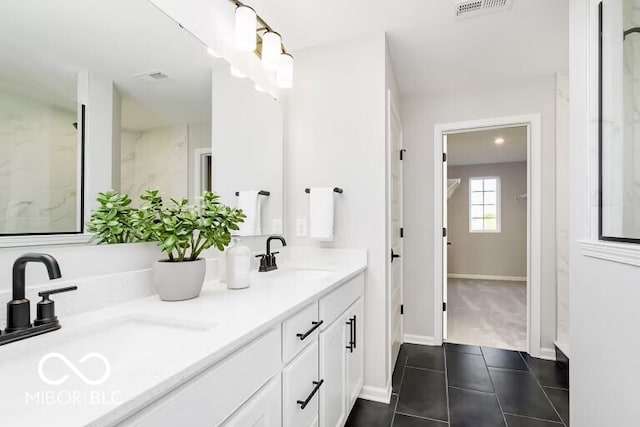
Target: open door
[396,232]
[445,268]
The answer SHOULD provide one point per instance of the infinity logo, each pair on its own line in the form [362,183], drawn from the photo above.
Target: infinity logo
[74,369]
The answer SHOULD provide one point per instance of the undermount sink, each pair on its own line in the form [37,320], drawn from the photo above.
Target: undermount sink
[115,351]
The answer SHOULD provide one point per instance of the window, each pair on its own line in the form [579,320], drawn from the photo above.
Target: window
[484,205]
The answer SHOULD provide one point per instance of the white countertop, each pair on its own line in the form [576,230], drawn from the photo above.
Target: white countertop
[151,346]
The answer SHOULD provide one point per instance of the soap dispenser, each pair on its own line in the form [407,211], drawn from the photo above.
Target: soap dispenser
[238,265]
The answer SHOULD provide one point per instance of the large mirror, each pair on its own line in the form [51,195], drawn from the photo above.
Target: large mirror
[122,83]
[620,121]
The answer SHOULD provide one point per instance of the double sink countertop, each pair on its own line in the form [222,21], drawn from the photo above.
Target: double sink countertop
[105,365]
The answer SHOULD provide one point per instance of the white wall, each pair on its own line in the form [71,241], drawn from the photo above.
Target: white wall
[247,135]
[604,294]
[335,136]
[421,113]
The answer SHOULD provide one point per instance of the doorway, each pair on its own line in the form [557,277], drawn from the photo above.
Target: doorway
[486,222]
[528,201]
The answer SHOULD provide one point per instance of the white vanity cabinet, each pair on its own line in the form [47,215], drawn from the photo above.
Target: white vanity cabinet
[306,371]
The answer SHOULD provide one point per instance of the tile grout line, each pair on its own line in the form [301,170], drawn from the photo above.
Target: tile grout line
[426,369]
[504,418]
[446,383]
[422,418]
[533,418]
[395,409]
[471,390]
[542,388]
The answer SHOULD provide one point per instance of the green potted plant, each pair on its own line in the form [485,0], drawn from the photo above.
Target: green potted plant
[182,231]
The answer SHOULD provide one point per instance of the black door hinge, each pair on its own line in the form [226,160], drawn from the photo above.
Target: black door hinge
[401,308]
[444,157]
[444,232]
[444,306]
[402,151]
[402,232]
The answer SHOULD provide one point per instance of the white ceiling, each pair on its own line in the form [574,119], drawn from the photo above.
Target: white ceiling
[479,147]
[115,39]
[431,49]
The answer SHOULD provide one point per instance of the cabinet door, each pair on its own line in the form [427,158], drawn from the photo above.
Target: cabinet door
[301,388]
[262,410]
[333,370]
[355,357]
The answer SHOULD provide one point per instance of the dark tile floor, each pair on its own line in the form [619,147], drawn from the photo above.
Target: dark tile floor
[468,386]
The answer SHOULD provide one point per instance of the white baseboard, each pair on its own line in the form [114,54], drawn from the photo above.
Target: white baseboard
[418,339]
[485,277]
[548,353]
[376,394]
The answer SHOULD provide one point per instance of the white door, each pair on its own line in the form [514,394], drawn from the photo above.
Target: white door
[445,232]
[262,410]
[333,370]
[355,352]
[396,231]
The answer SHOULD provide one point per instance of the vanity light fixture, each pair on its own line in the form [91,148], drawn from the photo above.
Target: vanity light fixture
[245,30]
[253,34]
[499,140]
[271,50]
[284,73]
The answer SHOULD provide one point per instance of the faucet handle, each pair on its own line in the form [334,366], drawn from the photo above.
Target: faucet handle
[45,294]
[46,309]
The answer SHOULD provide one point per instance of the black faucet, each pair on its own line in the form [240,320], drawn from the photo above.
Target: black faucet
[268,260]
[19,309]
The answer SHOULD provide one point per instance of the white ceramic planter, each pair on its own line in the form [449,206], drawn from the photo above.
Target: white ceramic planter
[179,281]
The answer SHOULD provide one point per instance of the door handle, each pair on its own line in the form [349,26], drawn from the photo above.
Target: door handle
[394,255]
[316,386]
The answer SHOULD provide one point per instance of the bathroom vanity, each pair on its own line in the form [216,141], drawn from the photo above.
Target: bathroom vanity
[288,351]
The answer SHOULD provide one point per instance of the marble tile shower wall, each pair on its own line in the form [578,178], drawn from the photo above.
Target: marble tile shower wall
[155,159]
[38,164]
[631,73]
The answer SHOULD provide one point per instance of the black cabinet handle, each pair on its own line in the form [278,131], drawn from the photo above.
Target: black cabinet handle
[315,326]
[316,386]
[394,255]
[352,343]
[355,332]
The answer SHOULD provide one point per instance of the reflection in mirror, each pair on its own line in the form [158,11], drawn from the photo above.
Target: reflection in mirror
[40,146]
[247,151]
[620,122]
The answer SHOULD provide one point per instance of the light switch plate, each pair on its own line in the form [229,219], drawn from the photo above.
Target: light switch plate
[301,227]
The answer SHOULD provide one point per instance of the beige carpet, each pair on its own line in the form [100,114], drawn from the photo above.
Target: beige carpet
[488,313]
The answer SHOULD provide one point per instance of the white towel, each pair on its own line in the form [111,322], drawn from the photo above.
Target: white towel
[321,213]
[251,204]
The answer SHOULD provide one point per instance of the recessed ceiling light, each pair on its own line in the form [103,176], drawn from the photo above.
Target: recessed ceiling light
[499,140]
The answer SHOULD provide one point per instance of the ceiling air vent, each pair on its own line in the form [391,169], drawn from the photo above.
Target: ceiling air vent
[467,8]
[152,76]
